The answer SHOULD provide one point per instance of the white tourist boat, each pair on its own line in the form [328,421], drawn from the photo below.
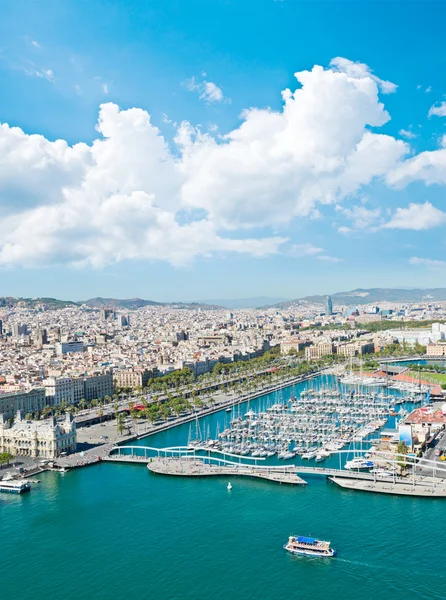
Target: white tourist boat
[14,487]
[307,546]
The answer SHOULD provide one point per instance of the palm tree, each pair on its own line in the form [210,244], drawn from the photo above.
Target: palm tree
[401,451]
[120,423]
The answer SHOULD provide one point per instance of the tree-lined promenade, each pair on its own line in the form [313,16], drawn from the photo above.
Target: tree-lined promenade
[180,391]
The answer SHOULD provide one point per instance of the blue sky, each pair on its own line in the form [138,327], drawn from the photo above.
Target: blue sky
[342,189]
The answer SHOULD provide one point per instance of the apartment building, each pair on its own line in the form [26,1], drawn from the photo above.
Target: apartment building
[28,401]
[132,378]
[436,349]
[319,350]
[73,389]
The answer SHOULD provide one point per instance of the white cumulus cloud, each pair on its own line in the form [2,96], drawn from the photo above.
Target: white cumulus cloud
[361,217]
[438,110]
[114,200]
[428,166]
[417,217]
[278,164]
[406,133]
[427,262]
[298,250]
[207,90]
[131,195]
[360,70]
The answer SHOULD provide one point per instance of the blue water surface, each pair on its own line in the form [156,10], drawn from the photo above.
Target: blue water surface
[115,531]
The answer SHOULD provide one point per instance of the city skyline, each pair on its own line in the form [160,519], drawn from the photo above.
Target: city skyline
[178,163]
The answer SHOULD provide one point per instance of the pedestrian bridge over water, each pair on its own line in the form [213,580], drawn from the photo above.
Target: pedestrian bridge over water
[198,462]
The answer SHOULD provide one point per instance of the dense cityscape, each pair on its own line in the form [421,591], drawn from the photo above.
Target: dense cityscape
[222,312]
[61,361]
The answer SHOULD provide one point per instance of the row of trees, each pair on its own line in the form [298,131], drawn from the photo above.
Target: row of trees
[233,378]
[64,407]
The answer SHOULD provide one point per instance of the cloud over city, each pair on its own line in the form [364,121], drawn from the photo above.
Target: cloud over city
[124,196]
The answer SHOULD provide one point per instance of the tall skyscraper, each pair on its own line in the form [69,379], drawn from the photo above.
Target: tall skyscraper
[329,306]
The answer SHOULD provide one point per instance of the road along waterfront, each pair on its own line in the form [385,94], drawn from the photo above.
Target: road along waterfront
[119,531]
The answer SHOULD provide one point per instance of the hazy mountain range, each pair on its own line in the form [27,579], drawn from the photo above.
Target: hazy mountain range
[246,302]
[358,296]
[372,295]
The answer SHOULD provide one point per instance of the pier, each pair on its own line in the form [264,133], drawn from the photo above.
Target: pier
[195,467]
[185,462]
[426,487]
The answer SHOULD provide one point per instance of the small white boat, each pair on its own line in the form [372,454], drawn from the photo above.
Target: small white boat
[229,486]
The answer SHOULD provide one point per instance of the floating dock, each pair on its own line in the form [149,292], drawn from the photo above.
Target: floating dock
[193,467]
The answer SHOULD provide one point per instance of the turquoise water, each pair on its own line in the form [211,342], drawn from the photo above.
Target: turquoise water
[117,531]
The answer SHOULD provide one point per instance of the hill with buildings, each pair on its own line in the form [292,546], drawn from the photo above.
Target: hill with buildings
[127,304]
[373,295]
[135,303]
[52,303]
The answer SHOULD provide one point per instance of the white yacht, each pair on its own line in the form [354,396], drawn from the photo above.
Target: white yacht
[359,464]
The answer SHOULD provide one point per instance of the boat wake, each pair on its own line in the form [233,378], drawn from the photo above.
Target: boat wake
[387,568]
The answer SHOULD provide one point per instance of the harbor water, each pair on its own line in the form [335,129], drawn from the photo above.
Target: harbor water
[113,531]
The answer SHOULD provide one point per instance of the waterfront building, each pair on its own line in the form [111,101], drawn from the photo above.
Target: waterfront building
[72,390]
[98,385]
[133,378]
[38,439]
[319,350]
[355,348]
[420,335]
[28,401]
[58,390]
[297,344]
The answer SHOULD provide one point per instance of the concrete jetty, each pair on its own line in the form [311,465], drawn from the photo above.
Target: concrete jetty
[197,468]
[421,487]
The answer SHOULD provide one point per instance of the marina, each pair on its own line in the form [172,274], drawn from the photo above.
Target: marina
[156,506]
[325,422]
[318,423]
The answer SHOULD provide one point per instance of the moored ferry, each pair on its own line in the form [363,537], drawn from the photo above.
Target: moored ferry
[14,487]
[307,546]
